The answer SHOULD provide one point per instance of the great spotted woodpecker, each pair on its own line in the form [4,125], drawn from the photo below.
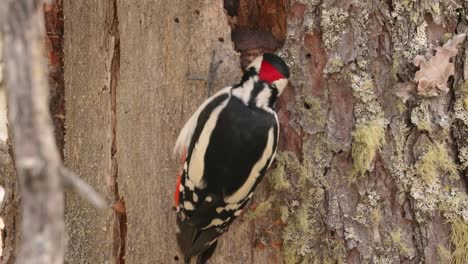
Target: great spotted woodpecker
[226,147]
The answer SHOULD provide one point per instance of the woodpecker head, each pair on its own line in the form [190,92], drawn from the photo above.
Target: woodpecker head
[272,70]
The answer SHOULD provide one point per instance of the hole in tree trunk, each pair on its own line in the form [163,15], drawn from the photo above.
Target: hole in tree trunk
[257,26]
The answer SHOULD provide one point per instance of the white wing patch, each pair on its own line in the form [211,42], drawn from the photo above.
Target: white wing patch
[216,222]
[183,140]
[197,160]
[188,206]
[240,194]
[277,139]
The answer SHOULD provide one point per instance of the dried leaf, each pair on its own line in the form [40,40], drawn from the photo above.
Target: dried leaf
[278,222]
[48,7]
[119,207]
[260,246]
[253,206]
[433,74]
[276,244]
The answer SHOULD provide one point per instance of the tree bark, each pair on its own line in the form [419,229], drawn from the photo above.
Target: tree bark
[9,205]
[9,210]
[41,175]
[362,177]
[36,157]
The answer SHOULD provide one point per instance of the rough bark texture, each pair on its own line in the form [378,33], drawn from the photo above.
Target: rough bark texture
[357,187]
[9,207]
[363,177]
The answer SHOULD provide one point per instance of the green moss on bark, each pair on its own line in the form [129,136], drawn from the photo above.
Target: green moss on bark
[367,140]
[459,240]
[435,162]
[444,255]
[295,195]
[399,242]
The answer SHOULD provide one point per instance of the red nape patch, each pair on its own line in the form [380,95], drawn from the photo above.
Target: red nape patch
[268,73]
[176,193]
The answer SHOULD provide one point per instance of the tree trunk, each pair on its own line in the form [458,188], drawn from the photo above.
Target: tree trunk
[9,206]
[40,173]
[37,161]
[374,152]
[10,212]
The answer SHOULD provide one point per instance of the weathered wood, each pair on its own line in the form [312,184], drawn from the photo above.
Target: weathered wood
[88,49]
[156,76]
[163,46]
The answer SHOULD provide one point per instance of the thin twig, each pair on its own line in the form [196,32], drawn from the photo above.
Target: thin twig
[73,181]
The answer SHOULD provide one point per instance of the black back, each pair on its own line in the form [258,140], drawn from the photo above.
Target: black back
[237,143]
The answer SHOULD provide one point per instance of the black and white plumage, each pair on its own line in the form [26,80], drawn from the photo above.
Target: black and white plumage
[226,147]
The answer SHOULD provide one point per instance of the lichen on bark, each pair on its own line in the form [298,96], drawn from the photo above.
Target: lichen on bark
[407,189]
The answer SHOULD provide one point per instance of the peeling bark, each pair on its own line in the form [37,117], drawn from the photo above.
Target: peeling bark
[350,56]
[9,208]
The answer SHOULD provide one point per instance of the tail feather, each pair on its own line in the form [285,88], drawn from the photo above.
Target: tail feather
[185,236]
[203,258]
[194,241]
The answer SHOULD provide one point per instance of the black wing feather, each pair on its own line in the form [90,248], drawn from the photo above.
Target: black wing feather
[236,144]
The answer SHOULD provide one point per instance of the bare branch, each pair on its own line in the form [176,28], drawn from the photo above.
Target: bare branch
[74,182]
[36,156]
[39,167]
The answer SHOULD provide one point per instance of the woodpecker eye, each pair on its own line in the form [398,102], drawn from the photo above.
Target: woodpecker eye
[273,86]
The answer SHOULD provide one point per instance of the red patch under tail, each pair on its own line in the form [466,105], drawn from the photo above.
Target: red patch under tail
[179,179]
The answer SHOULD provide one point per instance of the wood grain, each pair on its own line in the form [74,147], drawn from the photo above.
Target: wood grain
[88,49]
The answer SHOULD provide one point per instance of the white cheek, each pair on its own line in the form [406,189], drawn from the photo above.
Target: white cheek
[281,84]
[256,63]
